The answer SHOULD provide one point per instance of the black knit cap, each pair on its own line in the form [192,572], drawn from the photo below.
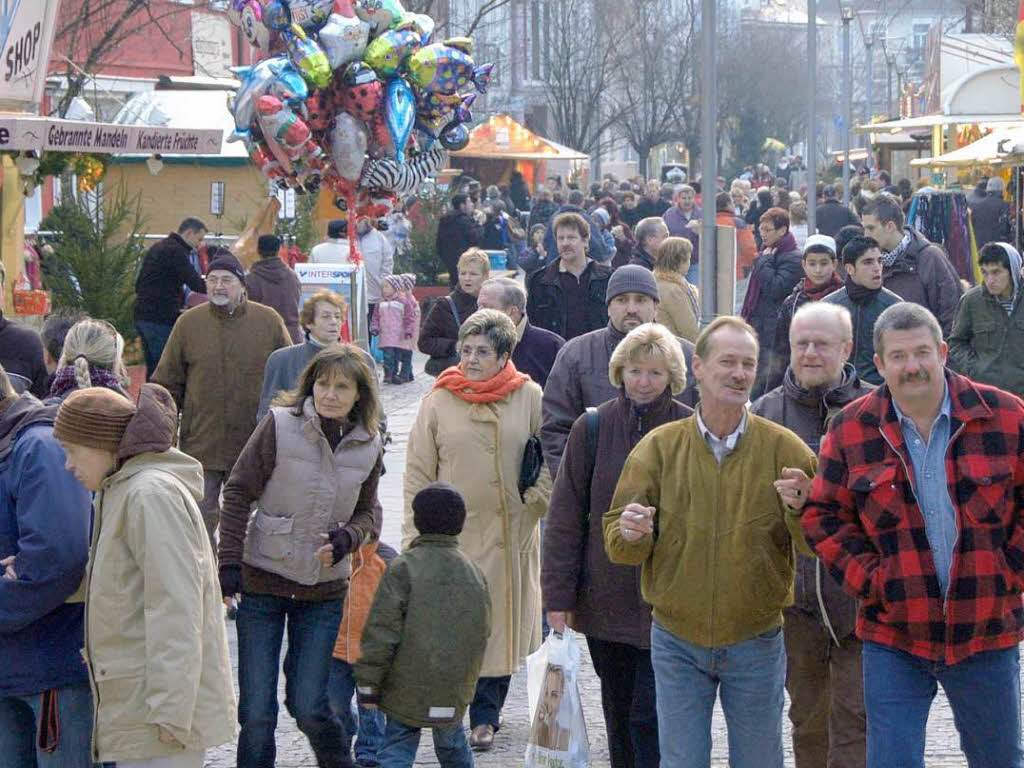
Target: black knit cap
[439,508]
[228,263]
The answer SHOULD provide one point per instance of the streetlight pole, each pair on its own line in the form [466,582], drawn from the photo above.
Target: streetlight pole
[812,115]
[709,166]
[869,43]
[847,17]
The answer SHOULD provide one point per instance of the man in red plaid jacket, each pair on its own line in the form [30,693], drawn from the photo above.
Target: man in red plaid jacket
[918,510]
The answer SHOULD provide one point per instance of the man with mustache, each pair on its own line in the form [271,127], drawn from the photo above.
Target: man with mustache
[579,376]
[918,509]
[706,506]
[213,367]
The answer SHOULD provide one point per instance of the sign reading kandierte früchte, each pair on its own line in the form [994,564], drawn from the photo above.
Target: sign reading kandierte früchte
[50,134]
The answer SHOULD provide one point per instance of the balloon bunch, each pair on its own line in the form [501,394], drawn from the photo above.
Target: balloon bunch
[352,94]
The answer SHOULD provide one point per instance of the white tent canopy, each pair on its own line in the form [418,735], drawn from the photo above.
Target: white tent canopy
[1004,146]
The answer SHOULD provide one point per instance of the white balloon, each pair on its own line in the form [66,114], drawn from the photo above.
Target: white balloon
[348,146]
[344,38]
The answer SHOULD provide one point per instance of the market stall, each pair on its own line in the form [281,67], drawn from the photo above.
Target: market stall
[501,145]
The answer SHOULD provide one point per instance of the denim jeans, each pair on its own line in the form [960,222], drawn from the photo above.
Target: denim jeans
[401,741]
[391,356]
[983,692]
[369,732]
[751,676]
[628,701]
[405,364]
[488,699]
[19,724]
[154,338]
[312,628]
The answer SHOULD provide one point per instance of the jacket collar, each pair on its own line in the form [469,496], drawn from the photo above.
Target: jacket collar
[553,270]
[435,540]
[612,337]
[877,408]
[222,313]
[521,328]
[313,429]
[671,277]
[641,417]
[21,412]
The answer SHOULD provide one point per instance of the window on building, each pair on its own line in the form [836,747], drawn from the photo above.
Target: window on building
[919,34]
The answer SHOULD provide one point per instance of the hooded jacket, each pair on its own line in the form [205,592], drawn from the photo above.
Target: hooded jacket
[986,343]
[44,522]
[166,267]
[156,643]
[808,413]
[923,274]
[275,284]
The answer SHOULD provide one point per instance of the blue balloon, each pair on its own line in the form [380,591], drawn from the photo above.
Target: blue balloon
[455,136]
[400,114]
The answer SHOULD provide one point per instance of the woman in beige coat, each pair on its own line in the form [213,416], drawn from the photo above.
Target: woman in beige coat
[679,309]
[155,642]
[471,431]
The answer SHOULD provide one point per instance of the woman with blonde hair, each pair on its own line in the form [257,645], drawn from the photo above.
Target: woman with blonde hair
[439,333]
[581,586]
[472,431]
[91,357]
[679,308]
[311,468]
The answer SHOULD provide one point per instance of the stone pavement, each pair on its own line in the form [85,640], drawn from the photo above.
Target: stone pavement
[401,403]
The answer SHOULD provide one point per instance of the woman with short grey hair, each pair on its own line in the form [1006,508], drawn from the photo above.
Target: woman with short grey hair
[472,431]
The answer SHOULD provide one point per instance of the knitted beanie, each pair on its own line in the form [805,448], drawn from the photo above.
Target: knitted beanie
[632,278]
[439,508]
[95,417]
[227,263]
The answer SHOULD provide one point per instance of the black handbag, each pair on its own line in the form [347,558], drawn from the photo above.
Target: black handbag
[533,462]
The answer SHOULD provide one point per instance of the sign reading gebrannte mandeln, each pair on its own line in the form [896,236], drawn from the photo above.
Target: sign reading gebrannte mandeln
[50,134]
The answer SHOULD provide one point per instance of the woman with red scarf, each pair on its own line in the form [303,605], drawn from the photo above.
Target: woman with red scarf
[471,431]
[776,271]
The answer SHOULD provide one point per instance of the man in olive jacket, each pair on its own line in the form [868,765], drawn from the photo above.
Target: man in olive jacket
[423,643]
[213,367]
[707,506]
[987,342]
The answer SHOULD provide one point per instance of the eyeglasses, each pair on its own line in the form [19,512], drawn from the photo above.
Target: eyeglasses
[227,281]
[820,346]
[480,353]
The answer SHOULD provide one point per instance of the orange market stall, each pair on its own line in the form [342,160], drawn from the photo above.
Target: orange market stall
[502,145]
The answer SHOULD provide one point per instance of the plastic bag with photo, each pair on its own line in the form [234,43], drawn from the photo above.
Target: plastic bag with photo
[558,731]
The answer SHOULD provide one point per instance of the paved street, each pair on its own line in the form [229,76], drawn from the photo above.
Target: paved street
[401,403]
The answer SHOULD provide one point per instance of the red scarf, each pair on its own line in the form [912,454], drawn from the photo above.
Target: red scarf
[496,388]
[819,292]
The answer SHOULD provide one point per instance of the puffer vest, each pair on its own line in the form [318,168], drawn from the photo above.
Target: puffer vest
[311,491]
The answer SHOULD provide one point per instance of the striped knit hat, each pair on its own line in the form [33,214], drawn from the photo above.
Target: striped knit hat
[96,417]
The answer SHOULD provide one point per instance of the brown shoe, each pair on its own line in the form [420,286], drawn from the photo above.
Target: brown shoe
[481,738]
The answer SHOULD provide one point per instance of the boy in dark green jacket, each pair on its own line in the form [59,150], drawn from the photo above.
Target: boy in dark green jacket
[423,643]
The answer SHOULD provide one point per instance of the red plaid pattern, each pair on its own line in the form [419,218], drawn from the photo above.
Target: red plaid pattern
[864,522]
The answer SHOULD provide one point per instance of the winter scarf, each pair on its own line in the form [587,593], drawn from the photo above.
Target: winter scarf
[818,292]
[496,388]
[64,380]
[785,244]
[891,257]
[859,294]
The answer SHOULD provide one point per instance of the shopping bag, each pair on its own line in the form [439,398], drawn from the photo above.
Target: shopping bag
[558,732]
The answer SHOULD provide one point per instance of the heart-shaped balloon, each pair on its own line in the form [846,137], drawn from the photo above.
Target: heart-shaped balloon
[344,38]
[400,114]
[348,146]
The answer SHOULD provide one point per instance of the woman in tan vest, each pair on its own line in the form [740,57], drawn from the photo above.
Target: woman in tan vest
[311,468]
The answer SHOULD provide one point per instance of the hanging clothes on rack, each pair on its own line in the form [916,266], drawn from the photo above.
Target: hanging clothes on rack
[944,218]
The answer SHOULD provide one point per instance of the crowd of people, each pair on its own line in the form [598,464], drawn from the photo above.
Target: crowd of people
[822,494]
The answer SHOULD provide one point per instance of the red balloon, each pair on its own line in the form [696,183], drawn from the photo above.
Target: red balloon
[361,101]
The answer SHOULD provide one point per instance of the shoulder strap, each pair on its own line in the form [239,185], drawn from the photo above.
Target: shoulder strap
[455,312]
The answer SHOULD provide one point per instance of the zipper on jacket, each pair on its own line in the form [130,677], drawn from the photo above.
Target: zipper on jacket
[714,548]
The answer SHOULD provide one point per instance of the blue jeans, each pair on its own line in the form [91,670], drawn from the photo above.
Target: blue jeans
[390,362]
[312,628]
[401,741]
[983,692]
[751,675]
[19,725]
[369,732]
[154,338]
[488,700]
